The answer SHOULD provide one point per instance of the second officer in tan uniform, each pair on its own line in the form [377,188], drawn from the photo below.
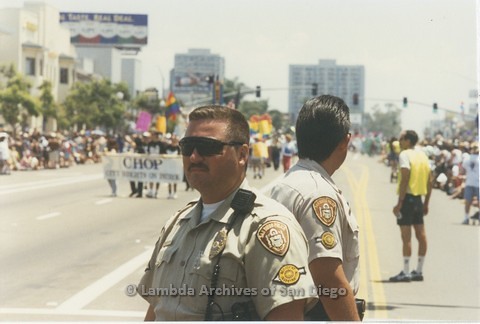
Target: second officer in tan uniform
[318,204]
[234,254]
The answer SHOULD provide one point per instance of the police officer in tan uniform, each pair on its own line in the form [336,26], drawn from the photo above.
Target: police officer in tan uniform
[234,254]
[318,204]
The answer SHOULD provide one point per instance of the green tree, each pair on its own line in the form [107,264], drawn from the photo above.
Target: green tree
[386,121]
[48,106]
[232,90]
[249,108]
[277,119]
[99,103]
[148,103]
[16,102]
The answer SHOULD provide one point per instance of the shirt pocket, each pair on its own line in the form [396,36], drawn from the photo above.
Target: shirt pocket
[352,248]
[202,271]
[165,256]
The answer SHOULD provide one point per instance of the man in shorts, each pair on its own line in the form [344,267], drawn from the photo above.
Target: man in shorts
[414,182]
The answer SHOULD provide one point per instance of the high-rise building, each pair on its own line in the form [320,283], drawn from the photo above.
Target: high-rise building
[194,76]
[344,81]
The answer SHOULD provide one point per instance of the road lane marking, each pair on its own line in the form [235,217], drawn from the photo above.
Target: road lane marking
[368,241]
[50,215]
[103,201]
[79,312]
[15,188]
[94,290]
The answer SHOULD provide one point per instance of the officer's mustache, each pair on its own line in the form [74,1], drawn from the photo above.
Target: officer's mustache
[197,166]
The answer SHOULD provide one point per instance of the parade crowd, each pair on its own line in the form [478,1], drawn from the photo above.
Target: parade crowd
[450,159]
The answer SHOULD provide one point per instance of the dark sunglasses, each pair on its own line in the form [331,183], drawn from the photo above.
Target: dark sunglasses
[205,146]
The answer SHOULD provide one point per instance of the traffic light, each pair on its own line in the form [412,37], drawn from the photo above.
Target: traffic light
[405,102]
[314,89]
[435,107]
[355,99]
[258,92]
[210,78]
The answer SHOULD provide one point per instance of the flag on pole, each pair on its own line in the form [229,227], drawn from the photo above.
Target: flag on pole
[173,108]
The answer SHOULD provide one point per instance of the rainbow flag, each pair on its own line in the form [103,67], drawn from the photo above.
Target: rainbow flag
[173,108]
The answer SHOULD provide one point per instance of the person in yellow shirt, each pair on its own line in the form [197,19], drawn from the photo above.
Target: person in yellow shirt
[414,181]
[259,154]
[393,149]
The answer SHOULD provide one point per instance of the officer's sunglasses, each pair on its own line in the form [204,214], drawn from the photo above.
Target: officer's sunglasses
[205,146]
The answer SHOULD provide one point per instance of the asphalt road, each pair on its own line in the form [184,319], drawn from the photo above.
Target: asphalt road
[68,251]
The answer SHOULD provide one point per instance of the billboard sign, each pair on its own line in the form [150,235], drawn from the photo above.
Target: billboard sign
[185,82]
[106,29]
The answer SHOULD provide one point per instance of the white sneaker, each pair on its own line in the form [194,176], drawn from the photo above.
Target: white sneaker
[174,196]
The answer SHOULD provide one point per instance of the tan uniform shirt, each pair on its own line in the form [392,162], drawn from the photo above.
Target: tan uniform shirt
[324,214]
[265,260]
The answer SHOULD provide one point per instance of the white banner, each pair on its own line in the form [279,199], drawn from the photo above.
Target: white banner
[143,167]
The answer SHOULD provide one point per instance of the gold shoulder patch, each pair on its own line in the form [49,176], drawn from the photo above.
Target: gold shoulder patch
[326,210]
[275,237]
[328,240]
[289,274]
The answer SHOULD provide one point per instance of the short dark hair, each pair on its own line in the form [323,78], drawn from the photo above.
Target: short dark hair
[412,136]
[321,125]
[237,126]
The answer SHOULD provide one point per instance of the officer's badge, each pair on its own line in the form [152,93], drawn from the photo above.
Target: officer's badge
[328,240]
[289,274]
[326,210]
[275,237]
[218,243]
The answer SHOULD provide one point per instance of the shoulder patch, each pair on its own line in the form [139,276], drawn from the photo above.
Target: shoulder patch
[325,209]
[289,274]
[328,240]
[275,237]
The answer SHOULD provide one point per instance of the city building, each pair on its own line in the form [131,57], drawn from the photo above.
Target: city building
[32,39]
[344,81]
[195,75]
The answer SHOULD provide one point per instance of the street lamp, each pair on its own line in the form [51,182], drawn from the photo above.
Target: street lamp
[163,81]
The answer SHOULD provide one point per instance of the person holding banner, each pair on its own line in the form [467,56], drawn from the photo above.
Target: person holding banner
[156,145]
[112,147]
[210,252]
[137,187]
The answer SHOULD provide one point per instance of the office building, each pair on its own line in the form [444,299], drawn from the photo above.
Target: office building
[344,81]
[32,39]
[189,79]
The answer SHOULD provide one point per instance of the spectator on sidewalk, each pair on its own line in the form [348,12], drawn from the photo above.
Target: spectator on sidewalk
[287,152]
[470,165]
[4,154]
